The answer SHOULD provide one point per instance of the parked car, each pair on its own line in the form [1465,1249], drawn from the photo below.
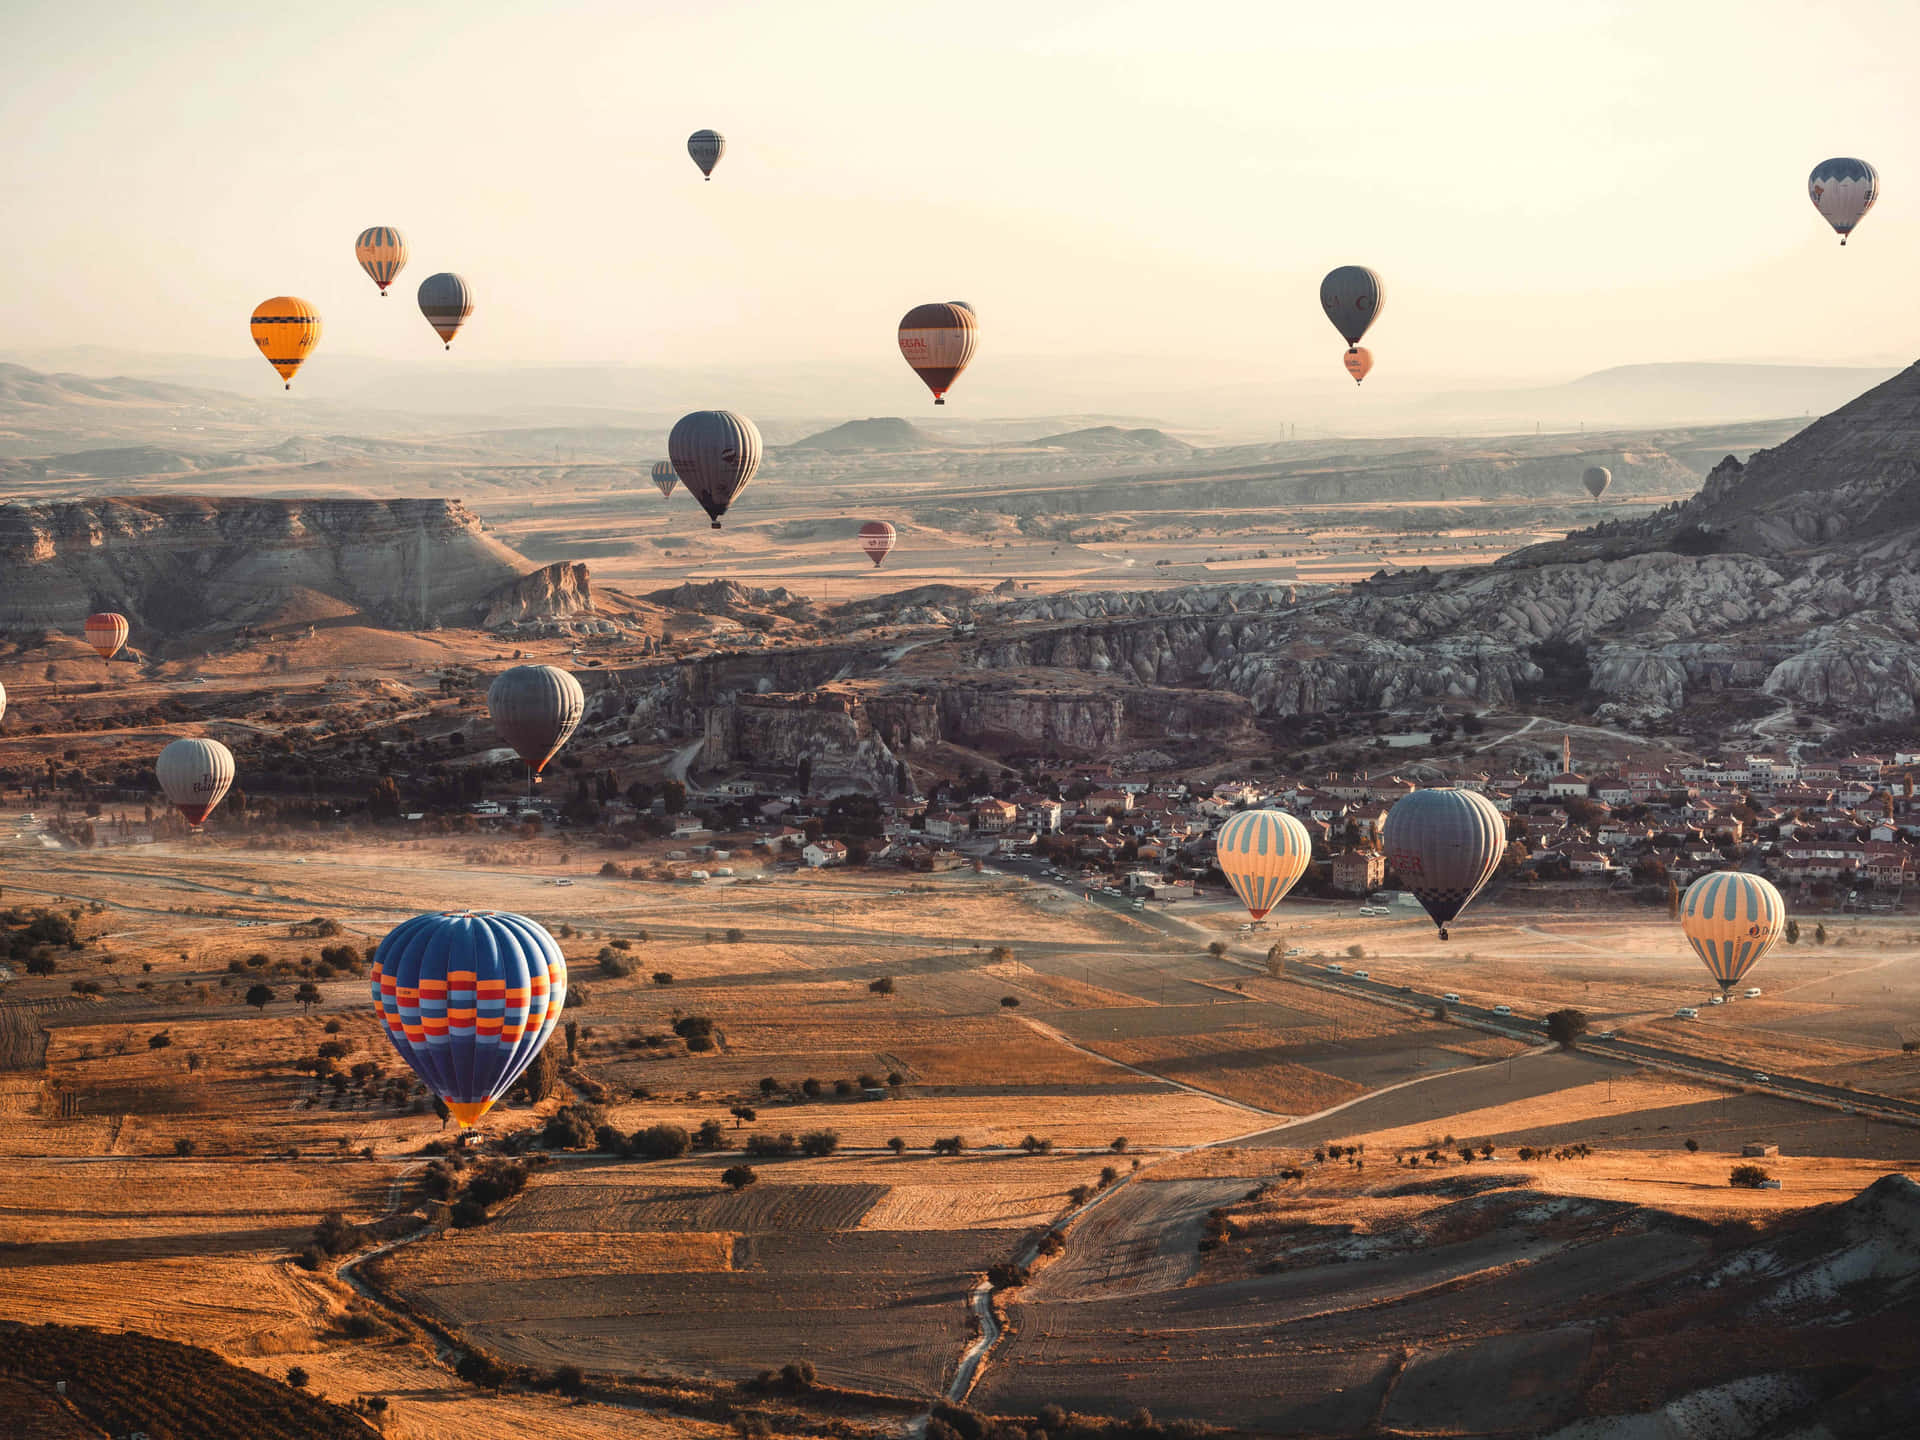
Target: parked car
[1753,992]
[1686,1012]
[1716,1000]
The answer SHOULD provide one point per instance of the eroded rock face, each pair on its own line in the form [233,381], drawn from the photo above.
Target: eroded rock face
[174,563]
[557,591]
[831,730]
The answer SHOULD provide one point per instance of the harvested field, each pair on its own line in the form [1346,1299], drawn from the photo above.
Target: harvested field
[613,1208]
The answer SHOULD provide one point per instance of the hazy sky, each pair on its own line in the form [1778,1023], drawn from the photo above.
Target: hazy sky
[1547,189]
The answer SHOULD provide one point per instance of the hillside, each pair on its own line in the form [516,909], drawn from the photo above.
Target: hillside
[887,432]
[177,563]
[1112,437]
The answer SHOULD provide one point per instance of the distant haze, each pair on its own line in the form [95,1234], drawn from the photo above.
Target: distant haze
[1139,198]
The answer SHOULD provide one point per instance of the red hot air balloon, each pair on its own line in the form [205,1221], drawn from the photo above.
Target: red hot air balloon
[876,538]
[937,341]
[106,633]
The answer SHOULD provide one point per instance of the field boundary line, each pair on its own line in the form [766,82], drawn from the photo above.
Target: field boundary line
[1048,1032]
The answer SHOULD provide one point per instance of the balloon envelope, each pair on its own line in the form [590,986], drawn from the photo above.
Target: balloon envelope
[446,300]
[3,702]
[1353,297]
[381,251]
[706,147]
[1596,478]
[536,709]
[1731,919]
[1445,844]
[467,999]
[664,477]
[1262,853]
[1359,361]
[1843,190]
[194,775]
[106,633]
[876,538]
[938,341]
[286,328]
[715,453]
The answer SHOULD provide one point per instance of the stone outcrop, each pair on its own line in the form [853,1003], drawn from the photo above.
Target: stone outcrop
[554,592]
[176,563]
[830,729]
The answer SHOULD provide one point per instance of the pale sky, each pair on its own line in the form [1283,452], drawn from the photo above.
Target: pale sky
[1547,189]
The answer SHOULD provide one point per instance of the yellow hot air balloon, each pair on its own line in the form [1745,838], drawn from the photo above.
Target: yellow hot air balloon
[1359,360]
[286,329]
[1263,853]
[1731,919]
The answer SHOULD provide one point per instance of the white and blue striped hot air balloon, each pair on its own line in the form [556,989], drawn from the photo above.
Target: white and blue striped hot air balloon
[1843,190]
[1731,919]
[1445,844]
[1262,853]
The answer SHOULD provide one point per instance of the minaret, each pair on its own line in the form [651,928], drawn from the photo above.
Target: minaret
[1566,754]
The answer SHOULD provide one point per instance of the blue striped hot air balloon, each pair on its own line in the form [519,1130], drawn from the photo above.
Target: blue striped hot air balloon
[1263,853]
[1731,919]
[1445,844]
[468,998]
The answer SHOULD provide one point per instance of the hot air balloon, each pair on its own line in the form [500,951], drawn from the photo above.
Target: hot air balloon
[715,453]
[1359,361]
[286,329]
[938,341]
[446,300]
[1596,478]
[706,147]
[1843,190]
[195,775]
[536,709]
[468,998]
[1445,844]
[1731,919]
[381,251]
[1352,297]
[106,633]
[966,305]
[3,702]
[664,477]
[876,538]
[1262,853]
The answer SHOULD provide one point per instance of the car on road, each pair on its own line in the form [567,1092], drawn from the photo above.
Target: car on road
[1503,1009]
[1603,1034]
[563,882]
[1406,989]
[1451,998]
[1336,967]
[1760,1077]
[1368,910]
[1361,975]
[1686,1012]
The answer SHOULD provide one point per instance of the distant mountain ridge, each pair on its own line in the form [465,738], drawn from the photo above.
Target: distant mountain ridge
[1112,437]
[881,432]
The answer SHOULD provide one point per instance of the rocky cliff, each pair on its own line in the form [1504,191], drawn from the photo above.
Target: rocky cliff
[553,592]
[176,563]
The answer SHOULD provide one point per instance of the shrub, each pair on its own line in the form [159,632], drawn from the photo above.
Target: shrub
[735,935]
[883,986]
[843,1088]
[573,1127]
[297,1378]
[799,1374]
[1693,1146]
[184,1146]
[738,1177]
[817,1143]
[699,1044]
[711,1136]
[769,1086]
[613,964]
[663,977]
[1217,949]
[1119,1146]
[661,1142]
[765,1146]
[569,1379]
[951,1145]
[1748,1177]
[481,1370]
[810,1088]
[1565,1027]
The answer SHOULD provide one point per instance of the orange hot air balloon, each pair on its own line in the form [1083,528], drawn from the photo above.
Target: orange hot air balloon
[1359,361]
[876,538]
[286,329]
[106,633]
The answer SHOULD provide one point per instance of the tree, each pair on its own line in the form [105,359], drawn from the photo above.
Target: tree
[1277,959]
[307,996]
[1000,954]
[819,1143]
[538,1079]
[297,1378]
[744,1114]
[573,1040]
[1819,934]
[883,986]
[673,797]
[663,977]
[1010,1001]
[1565,1027]
[769,1086]
[261,996]
[897,1145]
[1119,1146]
[661,1142]
[1793,932]
[159,1040]
[1693,1146]
[738,1177]
[1748,1177]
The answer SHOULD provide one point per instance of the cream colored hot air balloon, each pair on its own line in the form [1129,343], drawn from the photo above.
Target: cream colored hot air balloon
[1843,190]
[286,328]
[195,774]
[1262,853]
[1359,361]
[1731,919]
[106,633]
[938,340]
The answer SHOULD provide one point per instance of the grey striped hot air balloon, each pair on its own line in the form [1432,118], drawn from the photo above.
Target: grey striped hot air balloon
[664,477]
[1353,297]
[706,147]
[715,453]
[446,300]
[1596,478]
[1445,844]
[535,709]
